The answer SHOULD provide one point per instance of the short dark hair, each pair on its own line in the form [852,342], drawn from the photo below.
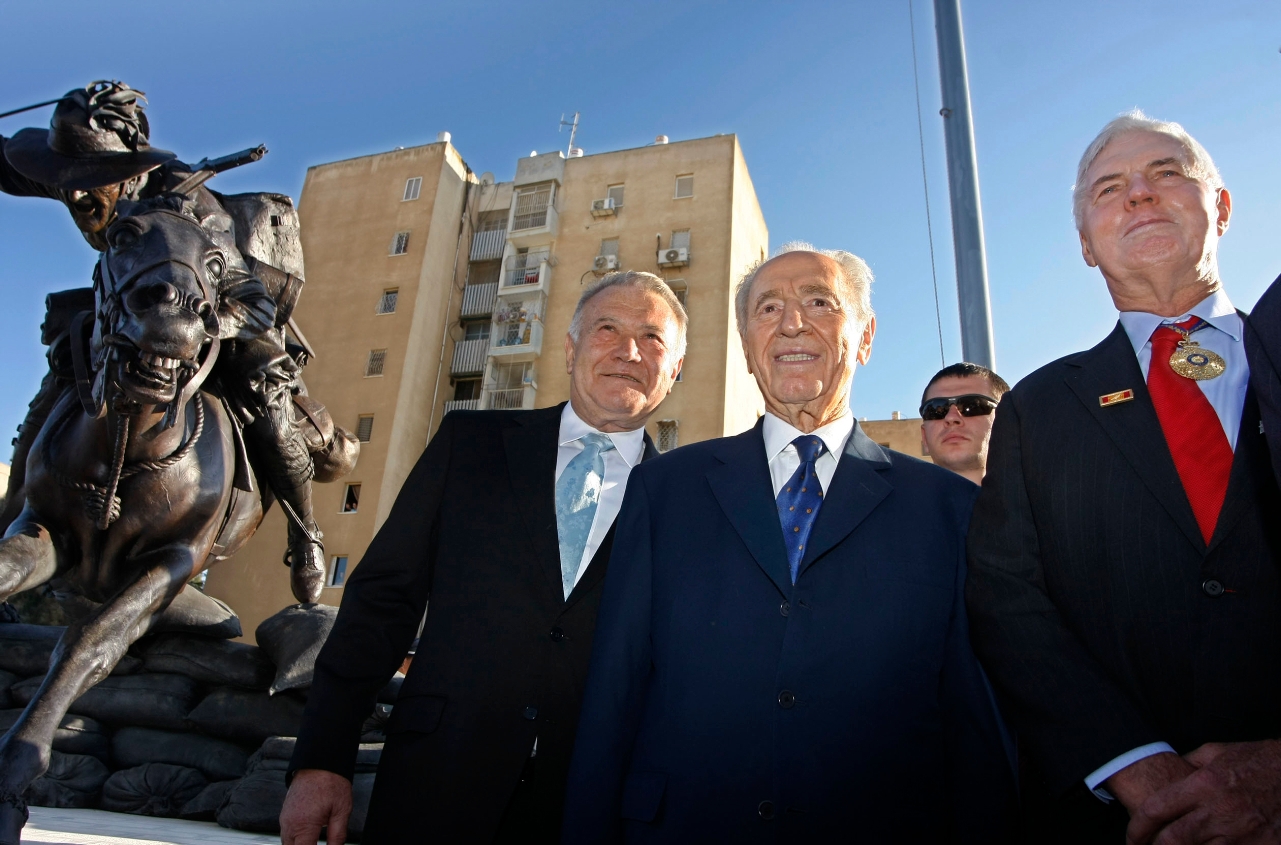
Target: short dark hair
[965,368]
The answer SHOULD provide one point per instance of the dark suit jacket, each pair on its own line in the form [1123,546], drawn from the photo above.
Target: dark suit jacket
[1263,347]
[1093,598]
[503,656]
[725,704]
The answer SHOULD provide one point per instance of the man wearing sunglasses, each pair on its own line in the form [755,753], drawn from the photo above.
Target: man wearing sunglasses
[957,411]
[1125,573]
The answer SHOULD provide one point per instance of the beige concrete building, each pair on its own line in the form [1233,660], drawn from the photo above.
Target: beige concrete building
[430,288]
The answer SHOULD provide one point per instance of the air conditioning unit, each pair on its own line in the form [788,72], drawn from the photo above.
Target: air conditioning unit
[604,208]
[677,256]
[605,263]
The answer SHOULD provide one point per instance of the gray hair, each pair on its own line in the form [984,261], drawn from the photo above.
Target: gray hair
[647,282]
[1201,166]
[855,273]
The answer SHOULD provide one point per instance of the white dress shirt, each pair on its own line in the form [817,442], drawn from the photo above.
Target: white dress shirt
[628,447]
[1226,395]
[782,457]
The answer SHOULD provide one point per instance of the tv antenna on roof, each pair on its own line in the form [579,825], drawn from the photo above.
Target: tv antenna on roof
[573,131]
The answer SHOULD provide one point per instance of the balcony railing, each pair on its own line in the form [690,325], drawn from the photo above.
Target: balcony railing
[486,246]
[531,207]
[525,273]
[509,399]
[478,300]
[469,357]
[462,405]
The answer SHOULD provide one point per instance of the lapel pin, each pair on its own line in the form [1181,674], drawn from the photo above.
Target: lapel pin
[1116,398]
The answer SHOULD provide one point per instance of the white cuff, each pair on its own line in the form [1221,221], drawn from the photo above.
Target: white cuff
[1116,764]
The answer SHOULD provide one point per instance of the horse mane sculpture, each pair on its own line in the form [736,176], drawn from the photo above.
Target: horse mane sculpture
[135,482]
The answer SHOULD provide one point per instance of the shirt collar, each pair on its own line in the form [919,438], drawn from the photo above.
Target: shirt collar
[628,444]
[1216,309]
[779,434]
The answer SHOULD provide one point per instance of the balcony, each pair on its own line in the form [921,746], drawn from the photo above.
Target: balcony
[534,218]
[478,300]
[517,331]
[486,246]
[526,273]
[509,399]
[469,357]
[462,405]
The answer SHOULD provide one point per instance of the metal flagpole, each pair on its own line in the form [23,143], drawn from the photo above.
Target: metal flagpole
[963,182]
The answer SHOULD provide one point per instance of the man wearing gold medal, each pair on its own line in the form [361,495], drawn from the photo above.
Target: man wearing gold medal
[1124,587]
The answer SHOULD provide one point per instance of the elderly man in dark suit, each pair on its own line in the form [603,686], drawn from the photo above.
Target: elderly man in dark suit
[1124,588]
[506,524]
[783,654]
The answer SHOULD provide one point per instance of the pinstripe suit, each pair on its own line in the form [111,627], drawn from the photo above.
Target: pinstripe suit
[1088,594]
[1263,346]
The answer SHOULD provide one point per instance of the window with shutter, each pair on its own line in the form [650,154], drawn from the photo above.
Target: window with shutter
[616,194]
[387,304]
[400,243]
[684,186]
[364,427]
[609,246]
[680,239]
[668,438]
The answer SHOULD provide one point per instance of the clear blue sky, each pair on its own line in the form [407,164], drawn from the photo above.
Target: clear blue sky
[820,95]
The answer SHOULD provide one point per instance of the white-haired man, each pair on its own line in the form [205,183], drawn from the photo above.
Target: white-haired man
[506,524]
[782,654]
[1125,567]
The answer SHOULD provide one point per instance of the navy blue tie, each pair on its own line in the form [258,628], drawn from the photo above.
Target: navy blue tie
[799,501]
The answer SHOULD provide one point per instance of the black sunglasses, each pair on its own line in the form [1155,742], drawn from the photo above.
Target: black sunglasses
[970,405]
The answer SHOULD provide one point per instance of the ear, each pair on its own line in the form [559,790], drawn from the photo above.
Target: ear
[865,342]
[569,354]
[1085,251]
[925,446]
[1224,206]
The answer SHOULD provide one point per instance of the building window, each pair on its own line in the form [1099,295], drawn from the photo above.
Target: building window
[493,221]
[400,243]
[364,427]
[387,304]
[412,188]
[351,498]
[667,435]
[476,330]
[374,366]
[531,207]
[616,194]
[338,571]
[680,239]
[609,246]
[465,389]
[681,289]
[684,186]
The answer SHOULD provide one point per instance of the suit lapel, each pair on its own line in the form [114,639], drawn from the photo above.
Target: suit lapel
[1132,426]
[1250,469]
[600,561]
[743,488]
[856,490]
[531,464]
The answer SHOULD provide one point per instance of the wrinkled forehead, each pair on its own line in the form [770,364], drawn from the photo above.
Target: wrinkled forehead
[793,270]
[1135,150]
[630,305]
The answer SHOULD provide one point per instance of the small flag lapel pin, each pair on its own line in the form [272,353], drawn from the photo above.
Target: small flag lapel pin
[1116,398]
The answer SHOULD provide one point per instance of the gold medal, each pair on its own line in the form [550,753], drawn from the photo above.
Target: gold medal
[1191,360]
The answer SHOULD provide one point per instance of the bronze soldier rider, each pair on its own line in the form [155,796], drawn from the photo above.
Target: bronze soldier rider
[95,153]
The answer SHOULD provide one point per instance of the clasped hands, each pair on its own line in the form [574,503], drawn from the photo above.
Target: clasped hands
[1221,793]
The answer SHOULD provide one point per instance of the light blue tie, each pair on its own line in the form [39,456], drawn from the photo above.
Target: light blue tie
[577,494]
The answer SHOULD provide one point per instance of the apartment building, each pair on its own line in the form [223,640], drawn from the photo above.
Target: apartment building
[431,288]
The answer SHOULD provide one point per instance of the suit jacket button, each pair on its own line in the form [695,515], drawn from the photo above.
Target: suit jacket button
[531,713]
[766,810]
[557,634]
[785,608]
[1212,588]
[786,699]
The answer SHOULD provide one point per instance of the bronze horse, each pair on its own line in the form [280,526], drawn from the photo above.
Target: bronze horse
[131,484]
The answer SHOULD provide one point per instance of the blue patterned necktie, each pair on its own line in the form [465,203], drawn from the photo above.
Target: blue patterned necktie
[799,501]
[577,494]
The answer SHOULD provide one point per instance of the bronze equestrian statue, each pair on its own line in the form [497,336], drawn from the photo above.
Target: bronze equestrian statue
[95,155]
[132,483]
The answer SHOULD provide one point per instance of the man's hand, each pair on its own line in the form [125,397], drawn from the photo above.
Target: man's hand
[1144,778]
[1233,797]
[316,799]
